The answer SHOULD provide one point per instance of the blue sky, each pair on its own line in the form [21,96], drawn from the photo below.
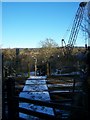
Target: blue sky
[25,24]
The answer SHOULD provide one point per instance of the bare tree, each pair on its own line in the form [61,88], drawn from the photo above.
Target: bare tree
[49,47]
[86,26]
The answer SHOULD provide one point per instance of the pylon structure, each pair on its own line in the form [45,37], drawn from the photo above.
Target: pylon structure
[89,23]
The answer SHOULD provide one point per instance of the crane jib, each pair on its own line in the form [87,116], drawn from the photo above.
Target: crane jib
[76,25]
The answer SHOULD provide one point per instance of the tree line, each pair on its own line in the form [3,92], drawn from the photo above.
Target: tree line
[48,53]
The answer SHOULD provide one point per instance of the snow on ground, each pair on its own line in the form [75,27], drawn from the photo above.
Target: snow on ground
[35,95]
[37,77]
[66,74]
[35,83]
[35,88]
[41,82]
[61,85]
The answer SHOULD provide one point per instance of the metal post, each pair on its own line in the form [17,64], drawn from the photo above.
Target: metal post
[17,60]
[28,69]
[47,68]
[35,66]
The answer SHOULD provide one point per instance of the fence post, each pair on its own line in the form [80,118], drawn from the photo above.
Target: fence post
[74,85]
[3,96]
[11,102]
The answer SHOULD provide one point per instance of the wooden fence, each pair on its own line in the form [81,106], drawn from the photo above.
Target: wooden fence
[11,110]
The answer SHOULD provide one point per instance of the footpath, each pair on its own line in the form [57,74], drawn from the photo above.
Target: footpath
[35,89]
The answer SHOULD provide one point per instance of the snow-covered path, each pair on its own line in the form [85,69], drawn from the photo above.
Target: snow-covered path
[35,89]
